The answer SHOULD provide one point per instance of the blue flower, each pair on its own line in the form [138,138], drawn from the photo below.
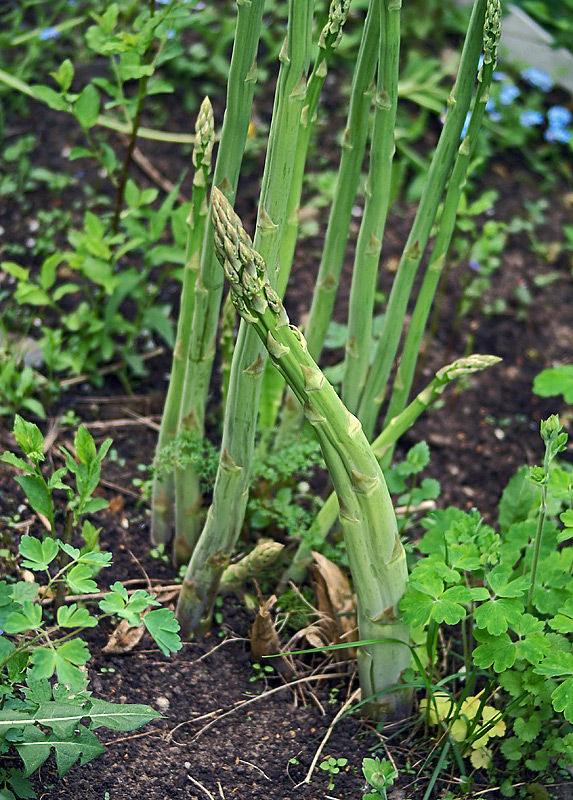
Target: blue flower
[49,33]
[508,94]
[538,78]
[530,118]
[495,116]
[554,134]
[490,105]
[474,264]
[559,116]
[499,76]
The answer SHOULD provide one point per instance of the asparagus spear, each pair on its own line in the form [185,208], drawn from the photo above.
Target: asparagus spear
[375,553]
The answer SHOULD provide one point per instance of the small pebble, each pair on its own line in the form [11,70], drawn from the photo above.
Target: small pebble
[162,703]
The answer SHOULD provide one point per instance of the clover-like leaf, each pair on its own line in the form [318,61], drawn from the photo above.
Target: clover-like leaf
[79,579]
[496,615]
[29,618]
[164,629]
[498,651]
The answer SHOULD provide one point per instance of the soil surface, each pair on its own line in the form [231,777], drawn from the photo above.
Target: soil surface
[223,734]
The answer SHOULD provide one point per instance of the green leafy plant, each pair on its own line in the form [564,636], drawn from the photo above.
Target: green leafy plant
[332,766]
[380,774]
[557,380]
[45,704]
[511,593]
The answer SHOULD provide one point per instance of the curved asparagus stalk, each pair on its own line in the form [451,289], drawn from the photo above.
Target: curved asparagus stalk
[163,489]
[375,553]
[447,146]
[407,366]
[261,557]
[395,428]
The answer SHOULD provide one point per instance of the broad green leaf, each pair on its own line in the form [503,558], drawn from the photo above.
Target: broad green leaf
[554,381]
[528,729]
[86,107]
[497,614]
[79,579]
[562,699]
[533,648]
[28,619]
[94,504]
[85,445]
[447,608]
[557,665]
[38,554]
[502,585]
[38,494]
[117,717]
[64,75]
[24,591]
[164,629]
[50,97]
[563,621]
[38,746]
[95,558]
[19,463]
[517,501]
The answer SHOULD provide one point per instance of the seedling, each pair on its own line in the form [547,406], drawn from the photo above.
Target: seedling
[332,766]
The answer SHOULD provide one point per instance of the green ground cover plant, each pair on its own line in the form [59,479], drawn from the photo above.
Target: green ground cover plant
[40,637]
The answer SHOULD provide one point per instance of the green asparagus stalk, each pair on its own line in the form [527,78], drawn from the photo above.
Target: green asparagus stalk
[375,553]
[407,366]
[353,147]
[395,428]
[163,489]
[273,385]
[225,516]
[369,245]
[332,259]
[209,286]
[442,160]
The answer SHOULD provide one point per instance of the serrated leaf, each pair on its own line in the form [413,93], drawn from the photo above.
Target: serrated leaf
[28,619]
[562,699]
[79,579]
[498,651]
[528,729]
[164,629]
[120,717]
[416,608]
[24,590]
[497,614]
[557,665]
[82,746]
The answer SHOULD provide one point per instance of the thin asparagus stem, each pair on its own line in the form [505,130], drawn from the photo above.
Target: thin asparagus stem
[444,154]
[375,553]
[225,516]
[407,366]
[273,385]
[163,489]
[208,285]
[369,245]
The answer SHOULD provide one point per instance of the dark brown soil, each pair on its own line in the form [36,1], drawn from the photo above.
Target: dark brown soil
[224,735]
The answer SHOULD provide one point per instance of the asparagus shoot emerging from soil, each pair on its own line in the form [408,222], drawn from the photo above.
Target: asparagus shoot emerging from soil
[375,553]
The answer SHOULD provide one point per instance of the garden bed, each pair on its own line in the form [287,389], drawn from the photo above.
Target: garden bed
[229,730]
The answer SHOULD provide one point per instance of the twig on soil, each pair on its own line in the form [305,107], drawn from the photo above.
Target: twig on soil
[341,711]
[254,766]
[200,785]
[152,172]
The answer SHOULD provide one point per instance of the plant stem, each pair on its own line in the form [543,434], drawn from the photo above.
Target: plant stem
[446,148]
[225,516]
[375,553]
[163,489]
[369,245]
[208,284]
[407,366]
[326,517]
